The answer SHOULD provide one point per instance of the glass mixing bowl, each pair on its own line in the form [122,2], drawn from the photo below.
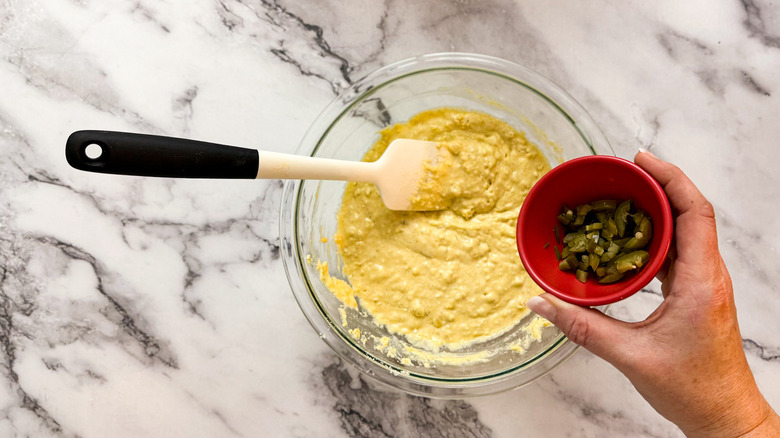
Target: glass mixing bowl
[345,130]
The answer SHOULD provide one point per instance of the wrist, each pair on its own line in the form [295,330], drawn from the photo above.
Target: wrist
[749,419]
[769,427]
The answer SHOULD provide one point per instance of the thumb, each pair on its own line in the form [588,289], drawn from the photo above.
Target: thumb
[600,334]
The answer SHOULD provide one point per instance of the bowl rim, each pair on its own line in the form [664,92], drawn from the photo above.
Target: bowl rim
[638,281]
[293,259]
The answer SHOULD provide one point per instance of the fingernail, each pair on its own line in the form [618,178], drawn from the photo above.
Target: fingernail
[543,308]
[645,151]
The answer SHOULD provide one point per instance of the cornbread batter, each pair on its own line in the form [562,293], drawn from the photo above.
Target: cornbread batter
[445,277]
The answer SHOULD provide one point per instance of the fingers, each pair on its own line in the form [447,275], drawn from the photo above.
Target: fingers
[695,232]
[600,334]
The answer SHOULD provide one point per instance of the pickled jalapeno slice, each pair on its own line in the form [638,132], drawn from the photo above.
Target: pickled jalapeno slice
[605,238]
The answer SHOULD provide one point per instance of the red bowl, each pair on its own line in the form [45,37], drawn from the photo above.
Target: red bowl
[576,182]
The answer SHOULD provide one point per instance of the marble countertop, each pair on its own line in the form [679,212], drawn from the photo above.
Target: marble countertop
[157,307]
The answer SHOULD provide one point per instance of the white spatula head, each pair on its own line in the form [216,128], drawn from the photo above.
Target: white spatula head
[410,173]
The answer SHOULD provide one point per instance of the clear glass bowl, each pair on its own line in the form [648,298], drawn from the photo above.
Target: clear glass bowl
[345,130]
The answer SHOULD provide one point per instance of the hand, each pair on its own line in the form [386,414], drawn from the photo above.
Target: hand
[686,358]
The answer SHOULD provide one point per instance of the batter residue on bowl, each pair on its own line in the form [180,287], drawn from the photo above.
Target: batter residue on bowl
[446,277]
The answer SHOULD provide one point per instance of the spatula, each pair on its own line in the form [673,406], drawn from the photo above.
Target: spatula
[397,174]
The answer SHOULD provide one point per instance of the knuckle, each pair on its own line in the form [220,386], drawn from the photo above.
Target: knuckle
[706,209]
[579,330]
[675,173]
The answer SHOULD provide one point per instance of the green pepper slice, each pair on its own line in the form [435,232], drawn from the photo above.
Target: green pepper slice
[642,236]
[611,278]
[568,263]
[621,217]
[630,261]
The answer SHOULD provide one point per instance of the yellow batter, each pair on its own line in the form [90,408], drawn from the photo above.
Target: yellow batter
[446,277]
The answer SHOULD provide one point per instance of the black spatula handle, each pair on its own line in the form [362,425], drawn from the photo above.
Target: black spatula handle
[123,153]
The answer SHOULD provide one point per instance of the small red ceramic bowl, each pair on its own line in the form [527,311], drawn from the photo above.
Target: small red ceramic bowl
[580,181]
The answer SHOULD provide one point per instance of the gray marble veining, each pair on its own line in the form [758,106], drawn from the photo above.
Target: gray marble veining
[148,307]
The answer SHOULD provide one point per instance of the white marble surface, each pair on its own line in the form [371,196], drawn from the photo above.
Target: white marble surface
[149,307]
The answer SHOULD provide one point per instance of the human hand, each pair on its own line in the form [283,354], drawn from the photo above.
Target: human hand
[686,359]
